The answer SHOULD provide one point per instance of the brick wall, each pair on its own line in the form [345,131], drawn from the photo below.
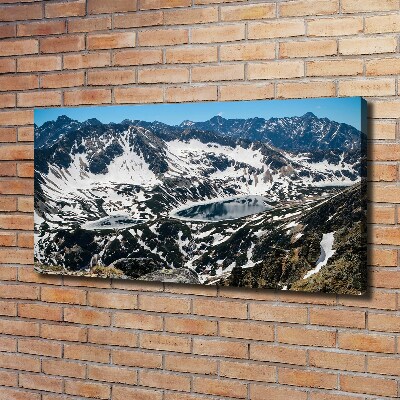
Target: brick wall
[67,338]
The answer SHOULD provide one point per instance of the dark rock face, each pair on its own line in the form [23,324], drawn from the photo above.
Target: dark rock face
[177,275]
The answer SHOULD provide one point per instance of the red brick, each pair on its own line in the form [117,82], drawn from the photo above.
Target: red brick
[163,75]
[21,12]
[67,9]
[19,362]
[87,317]
[279,354]
[307,7]
[163,37]
[63,295]
[366,342]
[63,332]
[223,33]
[112,374]
[14,82]
[62,44]
[188,93]
[196,365]
[42,28]
[113,337]
[164,304]
[157,4]
[218,73]
[306,378]
[138,321]
[191,16]
[7,31]
[384,365]
[8,308]
[383,322]
[7,65]
[137,57]
[15,221]
[111,40]
[247,52]
[8,273]
[8,344]
[40,311]
[138,20]
[139,94]
[349,6]
[25,170]
[165,342]
[89,24]
[162,380]
[276,29]
[112,300]
[62,79]
[86,353]
[7,100]
[114,77]
[246,92]
[266,312]
[25,204]
[87,389]
[190,326]
[220,387]
[8,239]
[259,392]
[368,385]
[247,371]
[89,60]
[252,11]
[340,318]
[7,135]
[39,347]
[16,117]
[87,96]
[218,308]
[307,337]
[222,348]
[137,358]
[246,330]
[41,63]
[38,382]
[123,393]
[39,99]
[191,55]
[340,361]
[8,169]
[19,328]
[64,368]
[14,394]
[105,6]
[8,204]
[8,378]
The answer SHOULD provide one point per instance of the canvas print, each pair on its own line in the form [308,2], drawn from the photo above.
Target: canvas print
[255,194]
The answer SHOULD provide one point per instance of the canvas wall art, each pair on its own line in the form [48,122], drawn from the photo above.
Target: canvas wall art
[255,194]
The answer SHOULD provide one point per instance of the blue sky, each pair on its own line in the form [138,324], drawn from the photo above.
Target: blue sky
[345,110]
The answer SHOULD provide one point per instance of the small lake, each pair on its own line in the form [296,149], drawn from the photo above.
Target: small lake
[112,222]
[228,209]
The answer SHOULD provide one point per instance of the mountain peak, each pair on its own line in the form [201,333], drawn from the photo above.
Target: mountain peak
[309,115]
[63,119]
[217,118]
[186,122]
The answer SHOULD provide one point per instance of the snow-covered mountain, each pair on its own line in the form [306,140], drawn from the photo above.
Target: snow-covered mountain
[97,177]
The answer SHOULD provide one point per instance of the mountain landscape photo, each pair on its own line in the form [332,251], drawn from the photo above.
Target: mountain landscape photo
[263,194]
